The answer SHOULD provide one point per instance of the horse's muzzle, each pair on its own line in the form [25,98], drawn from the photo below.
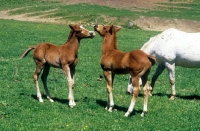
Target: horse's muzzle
[92,34]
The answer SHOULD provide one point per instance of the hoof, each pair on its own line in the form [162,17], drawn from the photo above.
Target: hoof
[110,110]
[41,100]
[126,114]
[51,100]
[172,97]
[71,106]
[143,113]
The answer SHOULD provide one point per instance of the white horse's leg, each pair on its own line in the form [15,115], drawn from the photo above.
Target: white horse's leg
[171,73]
[70,75]
[130,86]
[160,68]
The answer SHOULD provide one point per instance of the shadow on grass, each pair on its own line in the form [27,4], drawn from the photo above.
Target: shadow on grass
[160,94]
[188,97]
[62,101]
[119,108]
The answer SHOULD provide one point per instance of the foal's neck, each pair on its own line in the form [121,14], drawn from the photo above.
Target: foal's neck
[73,41]
[109,42]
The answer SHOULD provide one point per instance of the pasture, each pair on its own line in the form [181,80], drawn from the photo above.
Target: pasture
[20,109]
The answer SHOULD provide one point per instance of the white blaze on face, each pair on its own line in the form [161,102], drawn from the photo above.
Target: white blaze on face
[89,32]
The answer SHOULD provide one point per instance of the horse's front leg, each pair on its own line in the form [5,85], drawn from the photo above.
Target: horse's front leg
[70,78]
[171,73]
[109,82]
[136,91]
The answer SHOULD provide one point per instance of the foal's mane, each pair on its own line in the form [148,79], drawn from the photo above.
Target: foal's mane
[115,38]
[70,35]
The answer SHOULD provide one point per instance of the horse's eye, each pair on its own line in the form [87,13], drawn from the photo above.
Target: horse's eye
[79,31]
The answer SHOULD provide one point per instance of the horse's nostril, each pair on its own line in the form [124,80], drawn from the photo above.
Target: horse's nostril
[92,34]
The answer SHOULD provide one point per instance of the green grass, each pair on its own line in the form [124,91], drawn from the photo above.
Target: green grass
[20,110]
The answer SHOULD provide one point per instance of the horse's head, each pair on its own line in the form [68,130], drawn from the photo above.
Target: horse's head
[81,32]
[104,30]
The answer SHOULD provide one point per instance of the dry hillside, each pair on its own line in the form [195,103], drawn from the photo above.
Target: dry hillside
[147,23]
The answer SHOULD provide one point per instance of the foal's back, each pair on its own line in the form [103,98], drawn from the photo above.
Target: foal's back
[49,53]
[121,62]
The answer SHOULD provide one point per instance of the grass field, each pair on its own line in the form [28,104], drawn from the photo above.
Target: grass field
[20,110]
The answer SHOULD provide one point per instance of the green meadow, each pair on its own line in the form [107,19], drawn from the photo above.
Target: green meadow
[20,109]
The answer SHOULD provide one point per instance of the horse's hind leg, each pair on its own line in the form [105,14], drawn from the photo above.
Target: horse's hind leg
[146,90]
[136,91]
[39,67]
[171,73]
[44,80]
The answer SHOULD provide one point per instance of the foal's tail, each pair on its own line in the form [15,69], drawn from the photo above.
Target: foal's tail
[152,59]
[27,51]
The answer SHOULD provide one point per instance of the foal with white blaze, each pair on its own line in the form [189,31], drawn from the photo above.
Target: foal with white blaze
[173,48]
[65,57]
[114,61]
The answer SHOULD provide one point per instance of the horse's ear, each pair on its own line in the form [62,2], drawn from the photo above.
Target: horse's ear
[117,29]
[111,29]
[71,26]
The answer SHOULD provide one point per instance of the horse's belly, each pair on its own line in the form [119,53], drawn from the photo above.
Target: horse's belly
[121,71]
[188,62]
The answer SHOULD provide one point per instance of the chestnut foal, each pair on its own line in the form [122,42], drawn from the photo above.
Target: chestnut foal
[65,57]
[113,61]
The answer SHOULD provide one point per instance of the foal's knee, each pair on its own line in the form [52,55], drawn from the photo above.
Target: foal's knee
[172,82]
[35,78]
[136,91]
[71,83]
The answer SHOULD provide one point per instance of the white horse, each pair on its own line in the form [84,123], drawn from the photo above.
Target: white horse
[172,48]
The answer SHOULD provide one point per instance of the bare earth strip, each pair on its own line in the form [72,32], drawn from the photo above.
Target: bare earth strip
[146,23]
[27,17]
